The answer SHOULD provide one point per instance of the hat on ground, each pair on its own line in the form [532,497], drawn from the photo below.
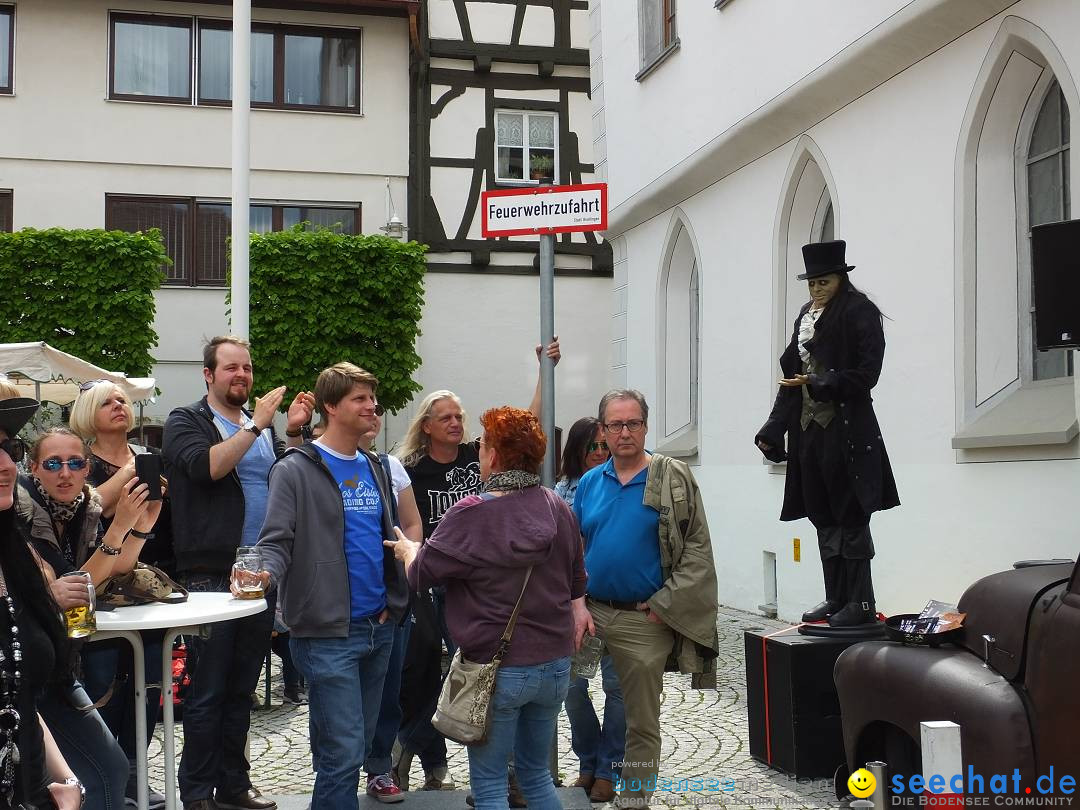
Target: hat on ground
[14,413]
[822,258]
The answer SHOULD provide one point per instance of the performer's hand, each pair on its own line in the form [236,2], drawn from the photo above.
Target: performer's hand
[764,446]
[796,381]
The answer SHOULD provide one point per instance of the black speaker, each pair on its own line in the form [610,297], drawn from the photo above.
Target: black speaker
[1055,275]
[792,708]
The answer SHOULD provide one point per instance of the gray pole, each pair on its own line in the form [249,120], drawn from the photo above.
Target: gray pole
[547,368]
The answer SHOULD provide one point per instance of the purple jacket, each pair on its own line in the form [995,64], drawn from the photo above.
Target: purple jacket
[480,551]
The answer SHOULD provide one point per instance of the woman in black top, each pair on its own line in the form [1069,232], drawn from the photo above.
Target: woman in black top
[25,603]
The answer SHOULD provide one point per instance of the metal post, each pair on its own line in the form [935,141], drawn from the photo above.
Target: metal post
[880,771]
[241,164]
[547,368]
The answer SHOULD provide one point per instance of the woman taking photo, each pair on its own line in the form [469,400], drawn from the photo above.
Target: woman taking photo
[30,624]
[838,471]
[598,746]
[481,552]
[62,514]
[102,416]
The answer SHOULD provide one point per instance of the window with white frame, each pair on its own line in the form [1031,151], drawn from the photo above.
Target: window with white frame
[679,316]
[1046,168]
[657,32]
[526,146]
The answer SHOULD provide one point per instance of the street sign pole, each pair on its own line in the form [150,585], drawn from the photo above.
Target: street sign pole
[547,367]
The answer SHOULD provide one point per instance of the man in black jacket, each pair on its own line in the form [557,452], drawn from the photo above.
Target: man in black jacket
[217,458]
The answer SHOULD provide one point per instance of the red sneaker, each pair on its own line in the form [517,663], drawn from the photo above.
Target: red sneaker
[382,789]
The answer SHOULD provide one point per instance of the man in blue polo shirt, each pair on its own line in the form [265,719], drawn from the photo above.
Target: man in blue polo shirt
[652,582]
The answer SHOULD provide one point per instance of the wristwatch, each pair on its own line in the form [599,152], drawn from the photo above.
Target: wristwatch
[74,780]
[249,425]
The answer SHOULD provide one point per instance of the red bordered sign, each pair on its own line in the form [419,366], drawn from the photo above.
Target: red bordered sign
[544,209]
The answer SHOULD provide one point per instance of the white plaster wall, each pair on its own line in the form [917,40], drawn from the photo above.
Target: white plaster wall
[453,132]
[87,127]
[538,27]
[729,63]
[479,334]
[891,154]
[491,22]
[442,20]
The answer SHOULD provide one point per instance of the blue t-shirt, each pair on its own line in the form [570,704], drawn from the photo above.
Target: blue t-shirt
[622,541]
[253,470]
[363,531]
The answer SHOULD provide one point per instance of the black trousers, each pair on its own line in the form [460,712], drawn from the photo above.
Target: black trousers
[421,681]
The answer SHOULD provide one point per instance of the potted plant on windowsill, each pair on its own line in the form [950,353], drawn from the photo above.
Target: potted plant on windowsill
[540,167]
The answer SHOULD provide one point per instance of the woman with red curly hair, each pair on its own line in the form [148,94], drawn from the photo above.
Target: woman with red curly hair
[483,550]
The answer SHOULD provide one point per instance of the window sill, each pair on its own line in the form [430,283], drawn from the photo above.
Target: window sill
[1037,416]
[659,60]
[228,107]
[775,467]
[719,4]
[682,445]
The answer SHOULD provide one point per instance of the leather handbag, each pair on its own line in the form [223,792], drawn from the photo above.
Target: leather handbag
[464,708]
[142,585]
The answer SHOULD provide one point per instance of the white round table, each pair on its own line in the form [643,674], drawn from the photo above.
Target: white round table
[189,618]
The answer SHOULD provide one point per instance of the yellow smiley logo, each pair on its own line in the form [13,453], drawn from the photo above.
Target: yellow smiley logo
[861,783]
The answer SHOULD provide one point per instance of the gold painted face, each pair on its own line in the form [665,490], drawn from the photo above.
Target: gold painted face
[861,783]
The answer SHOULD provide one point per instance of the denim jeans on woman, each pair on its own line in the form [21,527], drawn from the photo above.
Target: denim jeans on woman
[524,710]
[88,746]
[598,746]
[345,682]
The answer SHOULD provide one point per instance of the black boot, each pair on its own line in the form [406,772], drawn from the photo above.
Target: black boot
[832,569]
[858,595]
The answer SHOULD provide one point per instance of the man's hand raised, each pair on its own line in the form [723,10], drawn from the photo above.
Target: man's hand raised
[266,406]
[303,406]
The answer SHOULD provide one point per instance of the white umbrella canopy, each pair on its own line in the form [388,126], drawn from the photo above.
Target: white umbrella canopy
[51,375]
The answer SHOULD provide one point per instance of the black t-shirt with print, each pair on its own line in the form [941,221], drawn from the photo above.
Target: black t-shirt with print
[438,486]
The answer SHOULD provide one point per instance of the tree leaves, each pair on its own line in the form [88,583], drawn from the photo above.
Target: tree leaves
[318,297]
[86,292]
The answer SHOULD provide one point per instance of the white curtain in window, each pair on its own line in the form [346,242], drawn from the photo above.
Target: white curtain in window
[215,65]
[151,60]
[320,71]
[5,48]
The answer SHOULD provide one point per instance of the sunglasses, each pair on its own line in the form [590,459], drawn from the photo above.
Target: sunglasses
[86,386]
[15,448]
[54,463]
[594,446]
[379,410]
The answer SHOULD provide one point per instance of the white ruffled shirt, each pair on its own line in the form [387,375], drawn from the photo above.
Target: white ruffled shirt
[806,331]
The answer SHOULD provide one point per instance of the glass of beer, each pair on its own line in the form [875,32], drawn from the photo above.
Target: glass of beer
[82,621]
[587,659]
[245,573]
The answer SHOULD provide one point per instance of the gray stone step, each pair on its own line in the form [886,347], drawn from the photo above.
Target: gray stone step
[571,798]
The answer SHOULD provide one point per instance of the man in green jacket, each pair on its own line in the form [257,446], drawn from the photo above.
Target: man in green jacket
[652,582]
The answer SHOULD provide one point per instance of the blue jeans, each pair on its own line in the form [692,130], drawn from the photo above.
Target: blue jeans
[87,744]
[379,758]
[217,708]
[524,709]
[109,663]
[345,682]
[597,746]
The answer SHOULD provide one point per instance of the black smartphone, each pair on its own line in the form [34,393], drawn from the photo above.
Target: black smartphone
[148,471]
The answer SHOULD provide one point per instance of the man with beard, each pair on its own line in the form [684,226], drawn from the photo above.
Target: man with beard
[217,458]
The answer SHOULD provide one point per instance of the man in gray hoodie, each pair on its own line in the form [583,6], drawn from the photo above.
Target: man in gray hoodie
[340,591]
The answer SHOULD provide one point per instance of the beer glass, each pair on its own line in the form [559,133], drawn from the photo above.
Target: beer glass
[245,573]
[82,621]
[587,659]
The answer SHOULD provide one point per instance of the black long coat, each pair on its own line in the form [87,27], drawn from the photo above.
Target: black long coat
[851,346]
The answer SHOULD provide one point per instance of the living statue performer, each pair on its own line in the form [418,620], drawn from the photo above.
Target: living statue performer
[838,471]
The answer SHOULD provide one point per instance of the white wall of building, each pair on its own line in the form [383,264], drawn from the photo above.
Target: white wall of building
[891,154]
[65,146]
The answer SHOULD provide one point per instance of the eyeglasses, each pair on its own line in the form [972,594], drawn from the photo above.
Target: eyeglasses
[615,428]
[15,448]
[594,446]
[86,386]
[54,463]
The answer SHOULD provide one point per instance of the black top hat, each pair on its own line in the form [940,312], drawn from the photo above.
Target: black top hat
[822,258]
[16,412]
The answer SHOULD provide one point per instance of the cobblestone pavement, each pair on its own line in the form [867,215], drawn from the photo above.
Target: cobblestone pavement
[705,737]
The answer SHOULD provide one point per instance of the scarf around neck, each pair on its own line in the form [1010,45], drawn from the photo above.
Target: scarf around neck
[511,481]
[61,513]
